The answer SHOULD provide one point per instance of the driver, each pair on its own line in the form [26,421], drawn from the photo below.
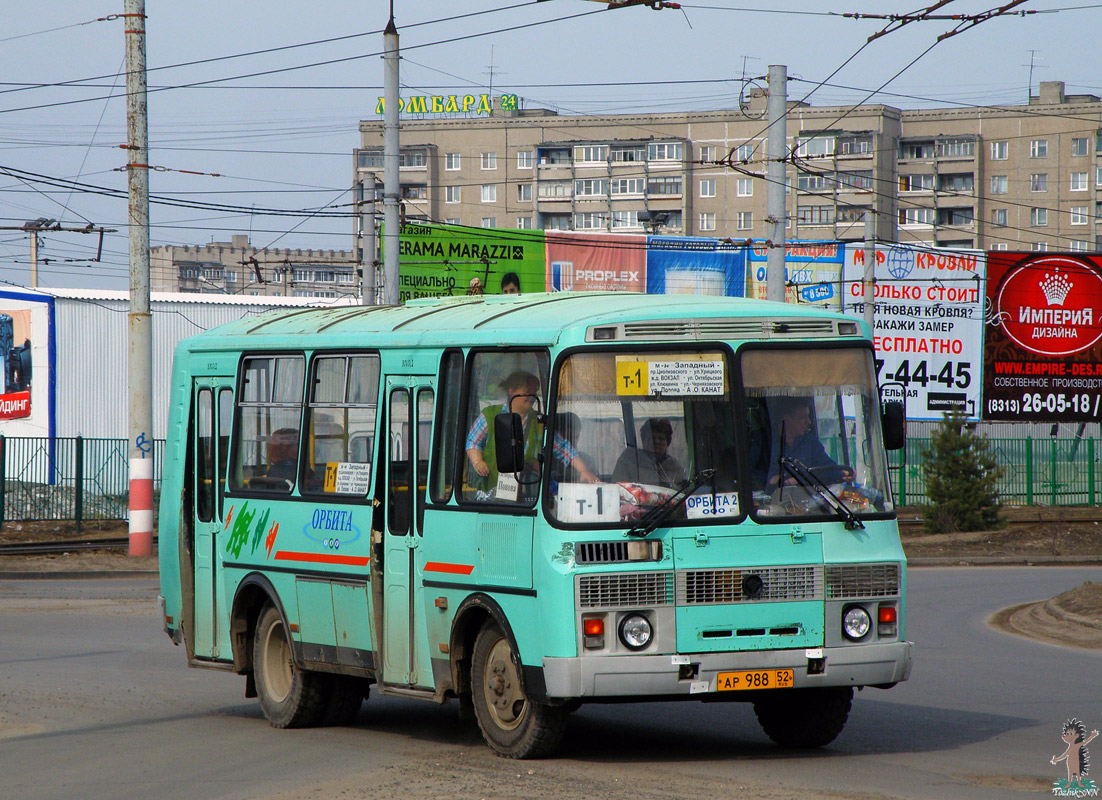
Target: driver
[801,444]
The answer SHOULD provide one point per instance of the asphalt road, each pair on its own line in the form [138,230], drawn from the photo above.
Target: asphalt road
[95,702]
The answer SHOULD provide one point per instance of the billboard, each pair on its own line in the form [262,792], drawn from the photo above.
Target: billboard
[596,262]
[441,261]
[26,382]
[695,265]
[1043,348]
[812,273]
[928,325]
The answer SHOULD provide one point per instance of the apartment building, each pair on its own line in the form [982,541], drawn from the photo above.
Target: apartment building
[236,267]
[1017,177]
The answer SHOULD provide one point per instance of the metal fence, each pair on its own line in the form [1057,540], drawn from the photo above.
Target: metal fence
[87,479]
[67,478]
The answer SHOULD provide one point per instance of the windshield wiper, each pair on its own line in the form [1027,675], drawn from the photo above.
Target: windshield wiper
[653,518]
[809,480]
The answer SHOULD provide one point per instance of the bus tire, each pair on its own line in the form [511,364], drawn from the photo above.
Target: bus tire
[290,697]
[514,725]
[344,697]
[804,718]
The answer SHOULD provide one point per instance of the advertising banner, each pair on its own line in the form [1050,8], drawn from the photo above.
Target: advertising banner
[441,261]
[692,265]
[1043,354]
[813,273]
[928,325]
[581,262]
[25,401]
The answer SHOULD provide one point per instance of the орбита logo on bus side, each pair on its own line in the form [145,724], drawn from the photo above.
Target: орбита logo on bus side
[331,528]
[1046,306]
[1077,758]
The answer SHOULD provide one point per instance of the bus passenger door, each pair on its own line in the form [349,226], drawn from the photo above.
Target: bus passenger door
[212,405]
[409,424]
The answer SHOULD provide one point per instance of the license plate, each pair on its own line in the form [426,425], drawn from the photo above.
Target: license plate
[754,679]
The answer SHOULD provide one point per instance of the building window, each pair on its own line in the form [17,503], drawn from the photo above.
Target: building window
[707,221]
[744,220]
[745,152]
[231,276]
[955,216]
[664,151]
[590,221]
[998,184]
[453,194]
[591,154]
[415,192]
[489,222]
[1078,216]
[1079,181]
[591,187]
[619,186]
[855,145]
[960,182]
[1098,176]
[708,187]
[919,150]
[1038,182]
[812,182]
[554,156]
[815,215]
[664,186]
[813,146]
[524,192]
[524,223]
[625,219]
[1077,246]
[555,190]
[856,179]
[451,161]
[628,155]
[852,214]
[412,158]
[489,193]
[998,217]
[1038,217]
[525,159]
[1098,210]
[916,183]
[1000,151]
[998,246]
[1079,146]
[1038,148]
[370,159]
[556,222]
[956,148]
[1039,247]
[708,153]
[451,220]
[489,161]
[744,187]
[916,216]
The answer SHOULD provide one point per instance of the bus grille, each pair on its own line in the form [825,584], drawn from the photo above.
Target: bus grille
[762,328]
[704,586]
[862,580]
[616,552]
[633,589]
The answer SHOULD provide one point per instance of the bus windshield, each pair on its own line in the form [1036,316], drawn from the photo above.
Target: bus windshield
[632,428]
[813,432]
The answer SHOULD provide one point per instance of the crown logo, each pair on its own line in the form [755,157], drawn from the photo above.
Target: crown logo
[1056,288]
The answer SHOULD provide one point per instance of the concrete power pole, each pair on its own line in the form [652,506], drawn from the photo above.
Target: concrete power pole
[868,285]
[367,242]
[34,259]
[776,150]
[391,185]
[140,328]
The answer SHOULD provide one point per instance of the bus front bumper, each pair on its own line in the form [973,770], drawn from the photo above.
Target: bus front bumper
[641,675]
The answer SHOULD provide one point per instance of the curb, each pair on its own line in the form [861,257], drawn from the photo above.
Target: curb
[98,574]
[1005,561]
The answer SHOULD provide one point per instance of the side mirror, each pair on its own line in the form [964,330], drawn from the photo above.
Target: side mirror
[894,425]
[509,442]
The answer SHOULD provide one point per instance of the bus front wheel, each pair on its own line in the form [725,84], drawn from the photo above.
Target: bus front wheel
[290,697]
[513,724]
[804,718]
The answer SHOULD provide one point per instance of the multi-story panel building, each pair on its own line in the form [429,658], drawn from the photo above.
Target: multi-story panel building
[236,267]
[1017,177]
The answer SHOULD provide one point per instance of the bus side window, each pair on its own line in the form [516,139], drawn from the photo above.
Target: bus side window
[266,442]
[341,419]
[447,420]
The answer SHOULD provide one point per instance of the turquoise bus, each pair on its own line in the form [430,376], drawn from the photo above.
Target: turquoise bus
[529,503]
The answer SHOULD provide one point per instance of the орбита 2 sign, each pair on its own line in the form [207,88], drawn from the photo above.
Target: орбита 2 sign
[1042,354]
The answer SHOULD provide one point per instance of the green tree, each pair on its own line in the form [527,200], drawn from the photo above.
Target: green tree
[961,474]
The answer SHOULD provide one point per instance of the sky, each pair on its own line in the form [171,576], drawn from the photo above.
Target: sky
[253,107]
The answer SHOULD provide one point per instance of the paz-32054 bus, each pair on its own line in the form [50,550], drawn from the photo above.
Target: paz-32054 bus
[531,503]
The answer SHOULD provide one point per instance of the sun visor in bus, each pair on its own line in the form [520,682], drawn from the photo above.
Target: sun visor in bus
[766,373]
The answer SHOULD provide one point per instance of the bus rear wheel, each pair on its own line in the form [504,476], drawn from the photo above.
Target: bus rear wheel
[290,697]
[513,724]
[804,718]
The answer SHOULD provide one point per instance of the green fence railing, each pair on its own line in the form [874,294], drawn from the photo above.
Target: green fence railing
[67,478]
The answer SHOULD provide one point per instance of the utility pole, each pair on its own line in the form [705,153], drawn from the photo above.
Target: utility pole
[34,258]
[367,242]
[777,110]
[868,285]
[140,327]
[391,185]
[34,227]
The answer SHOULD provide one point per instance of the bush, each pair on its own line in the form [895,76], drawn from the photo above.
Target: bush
[960,475]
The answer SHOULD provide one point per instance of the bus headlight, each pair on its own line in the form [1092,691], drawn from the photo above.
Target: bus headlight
[855,622]
[635,631]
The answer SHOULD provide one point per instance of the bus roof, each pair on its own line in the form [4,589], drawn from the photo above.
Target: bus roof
[522,319]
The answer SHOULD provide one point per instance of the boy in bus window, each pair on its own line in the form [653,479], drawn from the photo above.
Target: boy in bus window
[521,390]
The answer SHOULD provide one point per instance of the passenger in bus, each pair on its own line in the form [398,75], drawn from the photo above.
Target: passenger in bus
[283,454]
[795,429]
[521,389]
[651,463]
[568,425]
[510,283]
